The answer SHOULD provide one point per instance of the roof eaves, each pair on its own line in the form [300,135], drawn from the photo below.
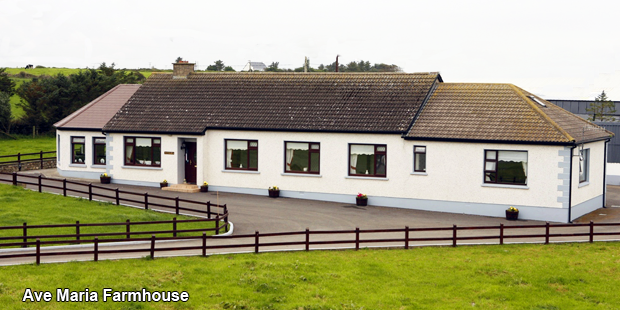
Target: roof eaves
[490,141]
[541,113]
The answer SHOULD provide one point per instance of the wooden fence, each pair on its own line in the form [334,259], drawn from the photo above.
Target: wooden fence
[20,158]
[407,240]
[114,194]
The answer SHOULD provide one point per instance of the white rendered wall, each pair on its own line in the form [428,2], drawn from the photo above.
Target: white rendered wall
[594,186]
[64,164]
[454,170]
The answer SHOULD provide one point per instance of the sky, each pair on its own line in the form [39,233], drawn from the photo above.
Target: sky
[554,49]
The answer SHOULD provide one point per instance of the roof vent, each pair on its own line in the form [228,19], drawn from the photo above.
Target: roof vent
[537,101]
[181,69]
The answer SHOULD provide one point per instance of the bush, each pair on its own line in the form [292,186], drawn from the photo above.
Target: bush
[40,67]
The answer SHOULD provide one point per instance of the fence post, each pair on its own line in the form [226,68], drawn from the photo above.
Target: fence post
[38,251]
[128,229]
[15,178]
[96,249]
[77,231]
[90,191]
[357,238]
[117,197]
[174,226]
[217,226]
[226,215]
[547,233]
[454,235]
[41,157]
[209,209]
[591,231]
[176,204]
[256,242]
[406,237]
[64,187]
[25,229]
[307,239]
[152,246]
[146,201]
[39,183]
[204,244]
[19,161]
[501,233]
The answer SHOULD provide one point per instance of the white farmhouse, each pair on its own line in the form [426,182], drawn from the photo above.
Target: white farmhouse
[405,140]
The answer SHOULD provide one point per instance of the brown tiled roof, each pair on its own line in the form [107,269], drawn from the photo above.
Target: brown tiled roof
[498,112]
[347,102]
[99,111]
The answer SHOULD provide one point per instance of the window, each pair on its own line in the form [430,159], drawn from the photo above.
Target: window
[419,158]
[367,160]
[242,154]
[78,151]
[99,151]
[141,151]
[584,165]
[302,157]
[505,167]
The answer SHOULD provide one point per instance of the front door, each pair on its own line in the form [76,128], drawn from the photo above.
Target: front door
[190,162]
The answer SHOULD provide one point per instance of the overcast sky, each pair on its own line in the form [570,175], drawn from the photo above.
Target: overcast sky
[555,49]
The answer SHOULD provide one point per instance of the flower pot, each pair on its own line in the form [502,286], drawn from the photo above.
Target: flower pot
[361,202]
[162,185]
[204,188]
[105,180]
[274,194]
[512,215]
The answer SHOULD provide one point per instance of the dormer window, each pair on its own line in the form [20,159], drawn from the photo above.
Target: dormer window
[537,101]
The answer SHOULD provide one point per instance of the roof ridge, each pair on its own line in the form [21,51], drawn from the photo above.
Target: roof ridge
[541,113]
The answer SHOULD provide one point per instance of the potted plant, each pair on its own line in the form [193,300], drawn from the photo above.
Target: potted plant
[274,192]
[361,199]
[105,178]
[163,184]
[204,187]
[512,214]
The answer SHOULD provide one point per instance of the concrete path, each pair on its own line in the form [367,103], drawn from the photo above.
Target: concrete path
[251,213]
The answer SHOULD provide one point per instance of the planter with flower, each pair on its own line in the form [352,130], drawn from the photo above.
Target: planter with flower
[204,187]
[512,214]
[163,184]
[361,199]
[105,178]
[274,192]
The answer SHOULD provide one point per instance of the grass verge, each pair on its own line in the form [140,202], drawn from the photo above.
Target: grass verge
[24,206]
[27,145]
[560,276]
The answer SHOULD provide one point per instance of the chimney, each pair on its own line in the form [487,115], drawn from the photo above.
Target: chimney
[182,69]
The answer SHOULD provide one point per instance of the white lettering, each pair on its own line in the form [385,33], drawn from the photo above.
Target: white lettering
[184,296]
[106,294]
[62,295]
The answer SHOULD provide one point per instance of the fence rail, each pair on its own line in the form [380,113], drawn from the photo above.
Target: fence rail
[26,158]
[334,237]
[114,194]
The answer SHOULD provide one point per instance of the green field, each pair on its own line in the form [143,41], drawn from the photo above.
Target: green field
[27,145]
[25,206]
[566,276]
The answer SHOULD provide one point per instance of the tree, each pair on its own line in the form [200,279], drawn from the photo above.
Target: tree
[5,112]
[601,109]
[273,67]
[179,59]
[6,84]
[229,69]
[218,65]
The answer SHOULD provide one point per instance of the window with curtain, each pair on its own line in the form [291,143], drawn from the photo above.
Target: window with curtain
[505,167]
[78,150]
[241,154]
[419,158]
[99,151]
[140,151]
[367,160]
[584,165]
[302,157]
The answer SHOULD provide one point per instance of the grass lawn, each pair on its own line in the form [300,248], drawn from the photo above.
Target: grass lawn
[19,205]
[27,145]
[565,276]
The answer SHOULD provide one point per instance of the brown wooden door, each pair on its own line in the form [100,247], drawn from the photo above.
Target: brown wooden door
[190,162]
